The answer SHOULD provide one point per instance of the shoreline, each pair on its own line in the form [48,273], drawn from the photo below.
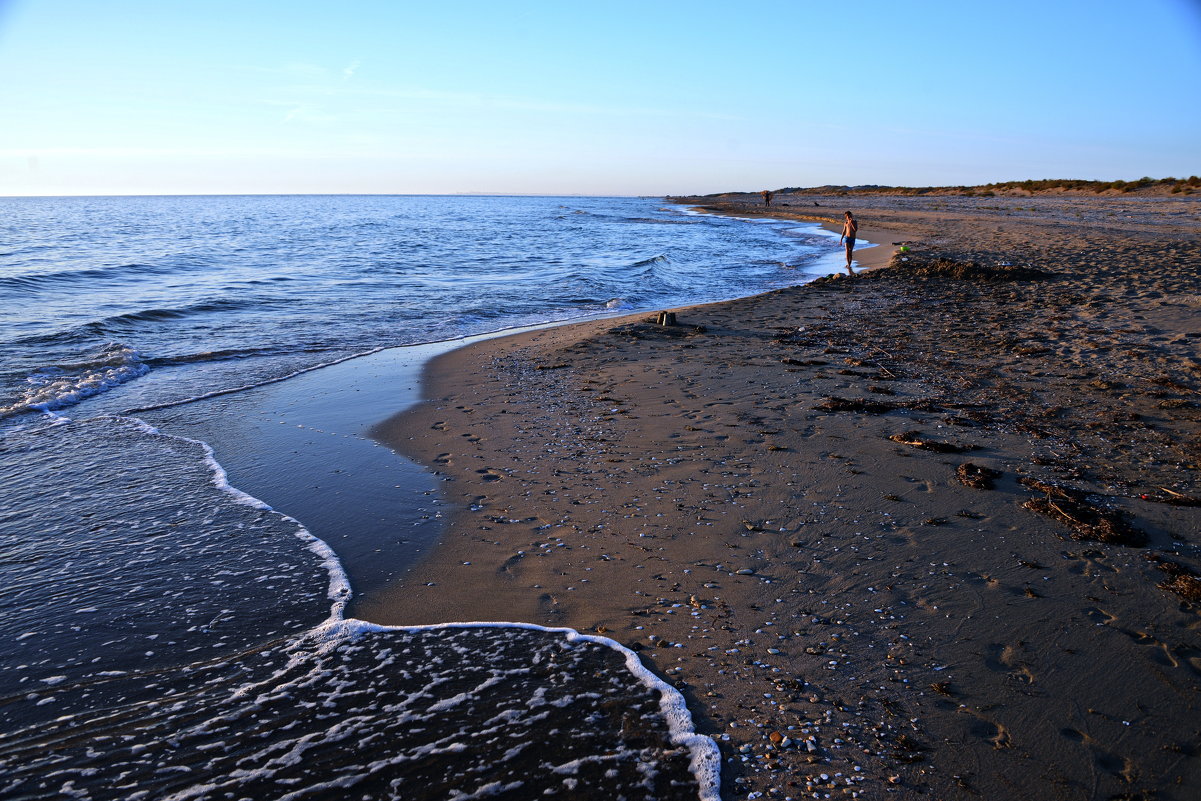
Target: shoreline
[682,487]
[307,431]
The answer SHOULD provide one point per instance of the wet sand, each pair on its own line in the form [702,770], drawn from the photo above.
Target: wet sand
[930,530]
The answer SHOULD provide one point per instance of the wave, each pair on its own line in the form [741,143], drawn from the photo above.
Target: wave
[232,354]
[202,307]
[88,275]
[657,221]
[58,386]
[652,261]
[130,322]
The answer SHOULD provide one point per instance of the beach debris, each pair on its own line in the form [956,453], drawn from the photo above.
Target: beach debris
[917,440]
[908,749]
[1171,497]
[653,329]
[1086,520]
[976,476]
[836,404]
[665,318]
[1182,580]
[923,267]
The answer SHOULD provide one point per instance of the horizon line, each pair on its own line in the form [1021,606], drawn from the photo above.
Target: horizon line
[342,194]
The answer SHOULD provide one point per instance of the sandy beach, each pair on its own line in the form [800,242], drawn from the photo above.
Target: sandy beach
[929,531]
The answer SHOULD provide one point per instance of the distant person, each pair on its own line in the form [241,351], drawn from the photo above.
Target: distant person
[850,227]
[767,196]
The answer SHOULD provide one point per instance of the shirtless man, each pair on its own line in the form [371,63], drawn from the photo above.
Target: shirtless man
[850,227]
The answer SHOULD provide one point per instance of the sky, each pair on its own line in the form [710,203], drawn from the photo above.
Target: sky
[594,97]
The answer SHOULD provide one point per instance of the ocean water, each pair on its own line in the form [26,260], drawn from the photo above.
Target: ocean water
[166,634]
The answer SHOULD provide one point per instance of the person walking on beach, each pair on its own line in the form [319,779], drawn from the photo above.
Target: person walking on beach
[850,227]
[767,195]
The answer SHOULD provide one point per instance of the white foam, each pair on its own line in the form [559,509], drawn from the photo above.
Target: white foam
[57,387]
[705,761]
[339,582]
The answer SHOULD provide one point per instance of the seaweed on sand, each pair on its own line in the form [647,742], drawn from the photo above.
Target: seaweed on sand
[1181,580]
[976,476]
[1086,520]
[835,404]
[923,267]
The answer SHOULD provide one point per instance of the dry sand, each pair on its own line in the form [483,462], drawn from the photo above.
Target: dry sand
[842,612]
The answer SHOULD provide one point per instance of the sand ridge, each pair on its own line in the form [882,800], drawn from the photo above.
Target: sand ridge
[765,500]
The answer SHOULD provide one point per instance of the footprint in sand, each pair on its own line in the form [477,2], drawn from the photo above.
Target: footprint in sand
[1090,563]
[1076,736]
[1100,616]
[1116,765]
[1164,654]
[1110,763]
[1008,659]
[488,474]
[548,606]
[987,729]
[442,458]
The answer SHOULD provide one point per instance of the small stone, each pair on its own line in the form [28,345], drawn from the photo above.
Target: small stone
[776,737]
[746,571]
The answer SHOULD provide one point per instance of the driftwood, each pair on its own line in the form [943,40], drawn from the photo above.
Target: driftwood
[915,439]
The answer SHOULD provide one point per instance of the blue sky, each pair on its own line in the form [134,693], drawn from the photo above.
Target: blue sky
[573,97]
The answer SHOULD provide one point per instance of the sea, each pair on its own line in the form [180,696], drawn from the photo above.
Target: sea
[177,600]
